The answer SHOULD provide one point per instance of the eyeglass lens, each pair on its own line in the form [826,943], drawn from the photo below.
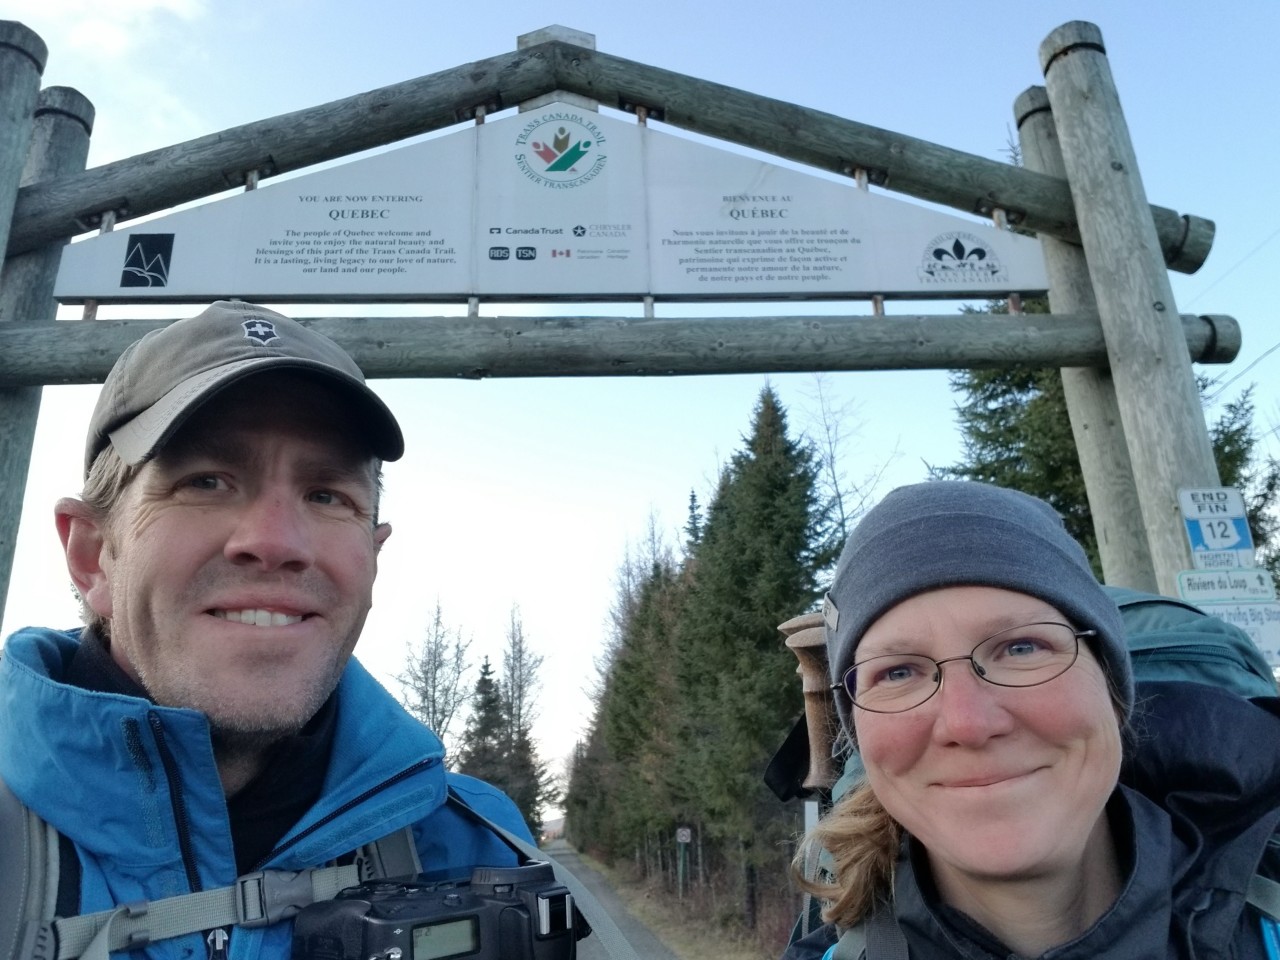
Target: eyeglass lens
[1022,656]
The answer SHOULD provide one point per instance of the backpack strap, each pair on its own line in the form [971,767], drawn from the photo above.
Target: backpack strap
[28,878]
[1263,895]
[254,900]
[877,937]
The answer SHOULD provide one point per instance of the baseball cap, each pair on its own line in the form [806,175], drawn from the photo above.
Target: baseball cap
[161,379]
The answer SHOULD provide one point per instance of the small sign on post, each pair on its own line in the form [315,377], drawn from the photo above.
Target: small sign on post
[1226,582]
[1217,527]
[684,837]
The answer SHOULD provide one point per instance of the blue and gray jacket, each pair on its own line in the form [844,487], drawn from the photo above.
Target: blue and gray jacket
[134,788]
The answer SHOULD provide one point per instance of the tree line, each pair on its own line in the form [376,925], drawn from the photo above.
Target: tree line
[697,690]
[496,743]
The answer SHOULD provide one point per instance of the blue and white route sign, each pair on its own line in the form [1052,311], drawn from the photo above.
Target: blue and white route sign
[1217,527]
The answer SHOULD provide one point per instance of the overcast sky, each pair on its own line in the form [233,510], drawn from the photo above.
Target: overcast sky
[528,492]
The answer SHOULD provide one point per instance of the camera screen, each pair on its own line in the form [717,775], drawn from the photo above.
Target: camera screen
[452,938]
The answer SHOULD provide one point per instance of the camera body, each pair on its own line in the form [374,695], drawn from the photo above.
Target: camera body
[498,913]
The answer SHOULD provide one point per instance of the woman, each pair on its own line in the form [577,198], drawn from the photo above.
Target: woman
[982,673]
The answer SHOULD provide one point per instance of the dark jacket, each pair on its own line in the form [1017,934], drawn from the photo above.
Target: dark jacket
[1200,796]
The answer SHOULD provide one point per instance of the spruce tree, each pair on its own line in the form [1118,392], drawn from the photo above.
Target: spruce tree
[1017,434]
[765,539]
[484,742]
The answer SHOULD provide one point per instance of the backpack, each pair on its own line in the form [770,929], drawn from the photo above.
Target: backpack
[30,930]
[1168,640]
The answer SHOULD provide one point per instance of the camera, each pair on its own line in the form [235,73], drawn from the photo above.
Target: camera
[498,913]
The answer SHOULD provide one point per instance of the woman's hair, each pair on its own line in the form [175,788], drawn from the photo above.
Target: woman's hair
[863,841]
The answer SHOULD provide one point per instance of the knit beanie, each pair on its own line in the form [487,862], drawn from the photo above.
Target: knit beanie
[960,533]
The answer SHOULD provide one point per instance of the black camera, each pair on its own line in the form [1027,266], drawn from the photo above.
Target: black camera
[499,913]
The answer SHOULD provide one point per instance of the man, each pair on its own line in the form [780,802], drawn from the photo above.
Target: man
[208,721]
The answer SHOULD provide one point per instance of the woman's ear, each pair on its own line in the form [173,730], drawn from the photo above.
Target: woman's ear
[83,535]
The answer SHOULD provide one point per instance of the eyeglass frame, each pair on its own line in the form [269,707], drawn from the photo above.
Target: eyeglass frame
[1077,635]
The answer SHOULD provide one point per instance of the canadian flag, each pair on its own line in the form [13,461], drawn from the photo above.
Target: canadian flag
[559,253]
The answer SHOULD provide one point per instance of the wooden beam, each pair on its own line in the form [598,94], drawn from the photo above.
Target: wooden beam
[477,347]
[187,171]
[974,184]
[162,178]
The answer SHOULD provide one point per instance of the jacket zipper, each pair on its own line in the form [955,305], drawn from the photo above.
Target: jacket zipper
[178,801]
[349,805]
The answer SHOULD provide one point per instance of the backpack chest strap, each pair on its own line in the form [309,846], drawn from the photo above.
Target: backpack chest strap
[255,900]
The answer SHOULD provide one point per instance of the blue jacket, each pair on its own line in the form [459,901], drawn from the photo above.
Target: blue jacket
[135,788]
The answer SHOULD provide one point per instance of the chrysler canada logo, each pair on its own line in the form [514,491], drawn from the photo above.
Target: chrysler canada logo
[959,258]
[146,260]
[560,149]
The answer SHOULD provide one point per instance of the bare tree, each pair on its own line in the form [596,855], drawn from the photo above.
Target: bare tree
[828,429]
[520,666]
[432,686]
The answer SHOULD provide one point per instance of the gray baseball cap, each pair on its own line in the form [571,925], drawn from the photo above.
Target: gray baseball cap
[160,380]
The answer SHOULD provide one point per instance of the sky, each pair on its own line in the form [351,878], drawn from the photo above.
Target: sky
[530,493]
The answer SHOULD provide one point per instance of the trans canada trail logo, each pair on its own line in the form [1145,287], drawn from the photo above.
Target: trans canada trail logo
[146,260]
[957,258]
[560,149]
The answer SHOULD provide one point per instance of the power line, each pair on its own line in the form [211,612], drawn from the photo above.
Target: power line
[1274,233]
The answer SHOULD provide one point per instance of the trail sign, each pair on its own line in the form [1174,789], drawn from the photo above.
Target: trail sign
[1226,586]
[1217,527]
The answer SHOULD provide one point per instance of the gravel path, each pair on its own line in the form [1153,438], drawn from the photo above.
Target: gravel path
[645,944]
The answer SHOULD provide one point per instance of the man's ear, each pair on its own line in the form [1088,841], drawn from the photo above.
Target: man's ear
[380,534]
[83,537]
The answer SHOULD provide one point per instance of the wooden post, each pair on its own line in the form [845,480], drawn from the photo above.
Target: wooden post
[1090,392]
[22,60]
[1159,404]
[59,144]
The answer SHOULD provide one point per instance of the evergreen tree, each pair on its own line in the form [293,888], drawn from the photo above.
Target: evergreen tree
[1017,434]
[765,538]
[484,742]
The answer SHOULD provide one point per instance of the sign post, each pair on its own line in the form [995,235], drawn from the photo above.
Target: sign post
[1226,582]
[684,836]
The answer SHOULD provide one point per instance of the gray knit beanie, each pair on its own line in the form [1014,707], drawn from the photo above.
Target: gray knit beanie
[958,533]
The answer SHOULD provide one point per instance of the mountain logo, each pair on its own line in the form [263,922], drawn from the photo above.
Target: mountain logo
[959,258]
[559,149]
[146,260]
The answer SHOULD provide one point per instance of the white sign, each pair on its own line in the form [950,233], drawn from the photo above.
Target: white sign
[1260,620]
[1217,527]
[1226,586]
[559,202]
[684,835]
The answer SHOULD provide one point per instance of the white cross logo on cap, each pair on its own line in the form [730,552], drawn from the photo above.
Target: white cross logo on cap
[264,331]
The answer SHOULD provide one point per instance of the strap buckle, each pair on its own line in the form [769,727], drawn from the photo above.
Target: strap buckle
[268,896]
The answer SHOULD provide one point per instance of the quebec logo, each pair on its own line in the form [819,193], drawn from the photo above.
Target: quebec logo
[146,260]
[959,258]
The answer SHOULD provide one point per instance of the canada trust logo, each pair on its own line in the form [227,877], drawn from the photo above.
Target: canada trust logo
[560,149]
[959,258]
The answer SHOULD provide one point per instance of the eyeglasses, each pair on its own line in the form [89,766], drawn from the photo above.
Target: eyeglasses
[1024,656]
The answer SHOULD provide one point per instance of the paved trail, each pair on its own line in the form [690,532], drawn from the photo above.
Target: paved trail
[645,944]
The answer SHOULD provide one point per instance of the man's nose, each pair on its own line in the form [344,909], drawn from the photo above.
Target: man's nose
[272,529]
